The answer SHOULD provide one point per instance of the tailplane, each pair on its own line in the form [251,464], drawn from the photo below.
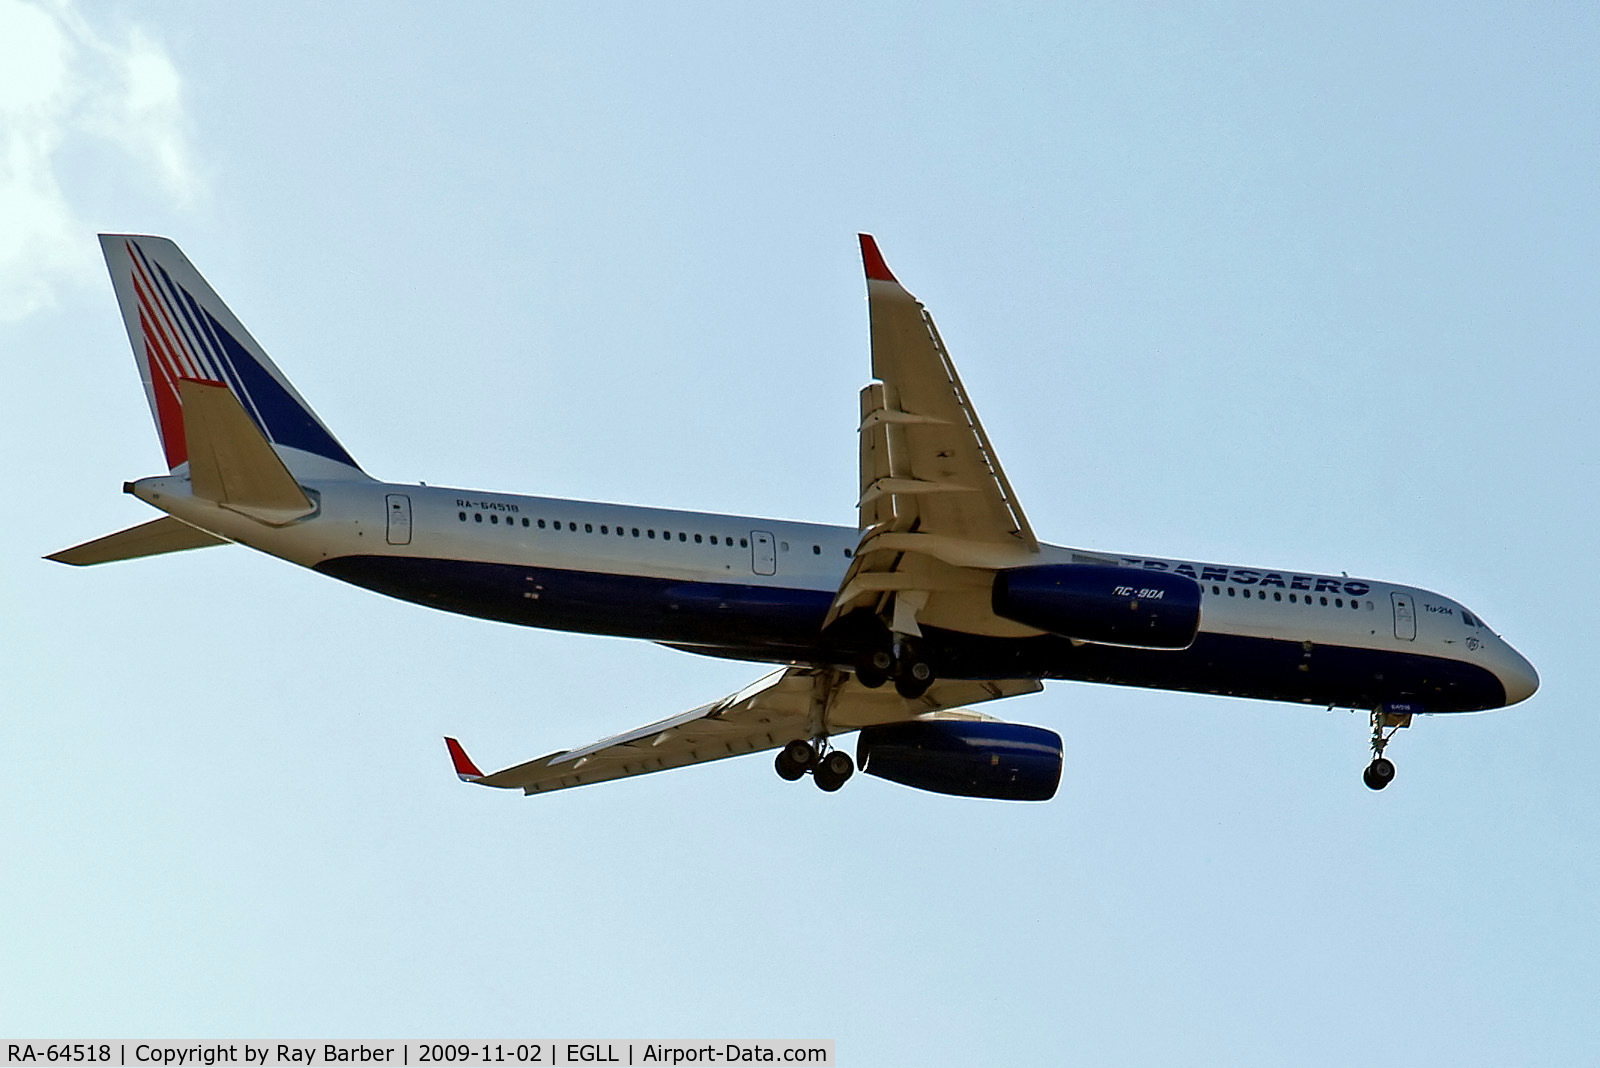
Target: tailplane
[164,535]
[182,331]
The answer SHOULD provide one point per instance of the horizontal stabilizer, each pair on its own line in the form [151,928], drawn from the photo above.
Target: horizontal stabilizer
[164,535]
[230,460]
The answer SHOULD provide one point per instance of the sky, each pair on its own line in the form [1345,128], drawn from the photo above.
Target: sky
[1284,285]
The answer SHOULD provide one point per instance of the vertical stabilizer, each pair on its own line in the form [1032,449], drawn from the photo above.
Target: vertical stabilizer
[181,330]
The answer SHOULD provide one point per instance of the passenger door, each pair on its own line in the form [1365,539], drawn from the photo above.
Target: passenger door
[399,519]
[1405,616]
[763,553]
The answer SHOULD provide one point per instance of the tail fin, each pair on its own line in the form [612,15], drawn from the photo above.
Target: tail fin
[180,329]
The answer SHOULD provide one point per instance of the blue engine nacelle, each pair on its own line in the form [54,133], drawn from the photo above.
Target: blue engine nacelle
[968,758]
[1099,603]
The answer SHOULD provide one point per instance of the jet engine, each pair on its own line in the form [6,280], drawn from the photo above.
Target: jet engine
[967,758]
[1100,603]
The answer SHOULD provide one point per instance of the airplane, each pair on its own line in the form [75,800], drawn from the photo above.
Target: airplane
[939,598]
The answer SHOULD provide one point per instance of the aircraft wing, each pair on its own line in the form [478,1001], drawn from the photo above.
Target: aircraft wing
[937,514]
[799,702]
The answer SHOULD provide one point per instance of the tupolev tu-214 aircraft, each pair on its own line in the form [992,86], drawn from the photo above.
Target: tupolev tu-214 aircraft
[940,597]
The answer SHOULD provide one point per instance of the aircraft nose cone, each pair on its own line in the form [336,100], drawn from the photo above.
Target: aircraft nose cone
[1518,677]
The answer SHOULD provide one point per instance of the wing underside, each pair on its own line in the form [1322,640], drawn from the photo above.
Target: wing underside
[794,703]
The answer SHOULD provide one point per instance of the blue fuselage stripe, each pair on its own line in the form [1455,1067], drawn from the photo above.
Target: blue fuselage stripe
[784,625]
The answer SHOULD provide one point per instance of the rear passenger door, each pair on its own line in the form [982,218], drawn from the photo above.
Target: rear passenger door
[763,553]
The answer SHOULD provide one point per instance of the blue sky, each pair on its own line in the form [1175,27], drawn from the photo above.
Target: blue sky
[1262,284]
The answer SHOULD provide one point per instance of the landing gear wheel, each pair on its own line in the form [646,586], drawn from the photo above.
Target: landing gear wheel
[835,769]
[913,678]
[912,672]
[795,759]
[1379,773]
[1386,719]
[873,670]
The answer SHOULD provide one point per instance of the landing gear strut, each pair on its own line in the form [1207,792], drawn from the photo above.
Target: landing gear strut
[829,769]
[1380,772]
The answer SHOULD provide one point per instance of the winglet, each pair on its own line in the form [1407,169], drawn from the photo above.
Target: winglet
[466,770]
[872,260]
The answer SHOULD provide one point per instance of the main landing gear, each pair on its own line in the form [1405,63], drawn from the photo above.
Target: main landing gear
[829,768]
[903,662]
[1385,722]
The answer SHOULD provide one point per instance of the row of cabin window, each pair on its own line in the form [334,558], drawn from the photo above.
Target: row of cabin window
[588,528]
[1277,595]
[605,528]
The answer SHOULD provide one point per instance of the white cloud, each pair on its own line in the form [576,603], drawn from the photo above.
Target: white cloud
[66,86]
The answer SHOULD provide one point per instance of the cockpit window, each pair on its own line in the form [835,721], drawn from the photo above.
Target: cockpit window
[1469,619]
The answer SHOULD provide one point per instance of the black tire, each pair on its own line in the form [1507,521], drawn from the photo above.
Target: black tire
[826,782]
[871,678]
[911,688]
[838,765]
[1379,773]
[785,769]
[801,753]
[795,759]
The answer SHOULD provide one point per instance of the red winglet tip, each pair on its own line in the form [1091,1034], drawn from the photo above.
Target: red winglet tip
[465,768]
[872,260]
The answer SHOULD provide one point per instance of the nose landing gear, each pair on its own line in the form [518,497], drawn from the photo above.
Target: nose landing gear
[829,769]
[1386,719]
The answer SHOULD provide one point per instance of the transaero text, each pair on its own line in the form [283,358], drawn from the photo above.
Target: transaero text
[1249,576]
